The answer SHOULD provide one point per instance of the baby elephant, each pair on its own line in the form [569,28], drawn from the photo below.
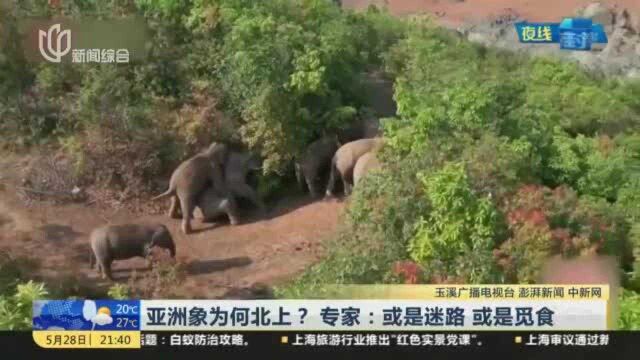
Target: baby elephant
[212,205]
[117,242]
[345,160]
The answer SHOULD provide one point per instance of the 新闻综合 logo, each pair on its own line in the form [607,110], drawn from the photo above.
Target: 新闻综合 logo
[54,43]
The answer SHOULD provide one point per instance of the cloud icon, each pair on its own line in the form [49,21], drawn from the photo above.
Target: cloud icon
[102,319]
[100,316]
[89,309]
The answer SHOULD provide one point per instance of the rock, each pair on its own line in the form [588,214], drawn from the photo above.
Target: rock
[481,38]
[599,13]
[627,21]
[621,56]
[633,74]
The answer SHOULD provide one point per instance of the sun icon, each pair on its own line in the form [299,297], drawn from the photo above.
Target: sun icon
[104,310]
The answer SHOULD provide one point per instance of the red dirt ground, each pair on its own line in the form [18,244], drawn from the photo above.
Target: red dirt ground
[456,12]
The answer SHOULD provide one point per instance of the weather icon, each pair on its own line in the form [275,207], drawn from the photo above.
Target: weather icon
[101,316]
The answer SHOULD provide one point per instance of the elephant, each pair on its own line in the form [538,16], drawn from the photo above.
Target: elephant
[117,242]
[191,178]
[314,160]
[237,167]
[212,205]
[365,163]
[345,159]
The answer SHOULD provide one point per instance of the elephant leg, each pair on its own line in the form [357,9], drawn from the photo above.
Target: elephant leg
[347,180]
[312,187]
[105,266]
[187,205]
[299,176]
[347,187]
[332,180]
[148,262]
[173,209]
[229,208]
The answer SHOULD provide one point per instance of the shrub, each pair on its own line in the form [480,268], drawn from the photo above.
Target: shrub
[545,222]
[13,270]
[576,101]
[634,240]
[521,257]
[629,310]
[456,238]
[119,292]
[15,309]
[594,166]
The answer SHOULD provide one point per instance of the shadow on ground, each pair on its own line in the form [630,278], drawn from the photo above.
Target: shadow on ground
[255,292]
[208,266]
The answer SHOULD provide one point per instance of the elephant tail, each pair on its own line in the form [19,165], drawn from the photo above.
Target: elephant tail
[167,193]
[92,258]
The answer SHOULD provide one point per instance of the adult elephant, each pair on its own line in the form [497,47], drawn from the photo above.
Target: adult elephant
[192,177]
[345,160]
[314,161]
[364,165]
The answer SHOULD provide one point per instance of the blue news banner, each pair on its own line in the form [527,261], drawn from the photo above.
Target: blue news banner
[319,315]
[111,315]
[577,34]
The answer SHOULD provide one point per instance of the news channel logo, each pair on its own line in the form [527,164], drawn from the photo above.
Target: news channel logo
[85,41]
[86,315]
[575,34]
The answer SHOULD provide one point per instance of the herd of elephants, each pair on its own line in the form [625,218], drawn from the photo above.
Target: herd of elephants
[214,179]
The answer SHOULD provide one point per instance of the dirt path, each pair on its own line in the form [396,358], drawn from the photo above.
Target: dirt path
[216,258]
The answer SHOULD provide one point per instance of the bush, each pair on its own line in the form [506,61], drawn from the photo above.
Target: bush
[634,240]
[629,310]
[545,222]
[13,270]
[119,292]
[576,101]
[456,238]
[15,309]
[593,166]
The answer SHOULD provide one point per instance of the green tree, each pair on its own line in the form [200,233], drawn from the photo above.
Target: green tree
[457,237]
